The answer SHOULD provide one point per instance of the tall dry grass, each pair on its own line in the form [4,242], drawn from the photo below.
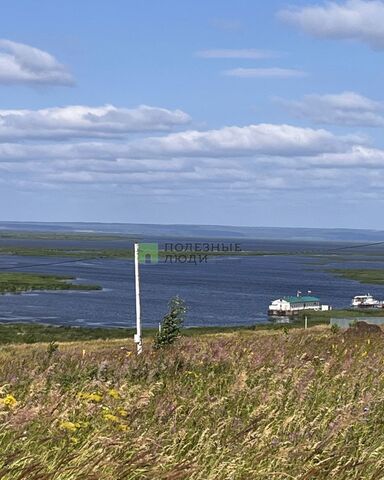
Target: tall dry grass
[303,405]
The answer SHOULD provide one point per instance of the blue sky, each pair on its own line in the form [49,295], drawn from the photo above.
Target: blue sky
[247,113]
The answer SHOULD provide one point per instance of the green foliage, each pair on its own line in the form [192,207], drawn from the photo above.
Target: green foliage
[335,328]
[52,348]
[172,323]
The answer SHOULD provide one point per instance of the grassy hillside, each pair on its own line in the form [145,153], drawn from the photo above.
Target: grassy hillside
[249,405]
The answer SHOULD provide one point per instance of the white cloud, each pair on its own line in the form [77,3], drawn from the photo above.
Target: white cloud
[227,142]
[252,160]
[361,20]
[264,73]
[347,108]
[266,139]
[23,64]
[245,53]
[80,121]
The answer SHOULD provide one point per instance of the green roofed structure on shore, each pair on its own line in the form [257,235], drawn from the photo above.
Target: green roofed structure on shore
[301,299]
[290,305]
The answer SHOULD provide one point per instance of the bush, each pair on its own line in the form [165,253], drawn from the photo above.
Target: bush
[172,323]
[335,328]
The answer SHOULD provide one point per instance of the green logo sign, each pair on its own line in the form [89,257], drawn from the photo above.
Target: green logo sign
[148,253]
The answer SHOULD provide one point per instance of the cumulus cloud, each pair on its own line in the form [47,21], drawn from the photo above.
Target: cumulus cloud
[251,160]
[264,73]
[267,139]
[83,121]
[245,53]
[346,108]
[360,20]
[23,64]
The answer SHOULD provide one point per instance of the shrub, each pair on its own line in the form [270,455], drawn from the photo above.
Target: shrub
[172,323]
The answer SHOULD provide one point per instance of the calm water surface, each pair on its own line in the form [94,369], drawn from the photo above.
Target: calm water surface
[224,291]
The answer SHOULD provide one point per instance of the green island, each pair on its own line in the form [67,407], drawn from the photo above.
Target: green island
[373,276]
[67,252]
[27,282]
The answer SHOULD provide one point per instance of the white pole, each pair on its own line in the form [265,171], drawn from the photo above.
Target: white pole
[306,322]
[138,338]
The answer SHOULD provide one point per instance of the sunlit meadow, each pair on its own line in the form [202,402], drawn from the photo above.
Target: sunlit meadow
[251,405]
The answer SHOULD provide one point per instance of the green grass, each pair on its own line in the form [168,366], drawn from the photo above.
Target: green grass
[372,276]
[26,282]
[18,333]
[248,405]
[34,333]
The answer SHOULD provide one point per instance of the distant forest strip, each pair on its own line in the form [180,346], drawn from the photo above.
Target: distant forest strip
[27,282]
[113,252]
[65,236]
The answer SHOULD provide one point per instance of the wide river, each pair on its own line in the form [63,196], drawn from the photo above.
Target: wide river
[223,291]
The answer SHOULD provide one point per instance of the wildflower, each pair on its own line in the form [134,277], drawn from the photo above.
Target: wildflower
[122,412]
[110,417]
[114,393]
[69,426]
[364,354]
[9,401]
[74,440]
[124,428]
[91,397]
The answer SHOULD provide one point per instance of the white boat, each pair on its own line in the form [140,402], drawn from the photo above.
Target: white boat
[366,301]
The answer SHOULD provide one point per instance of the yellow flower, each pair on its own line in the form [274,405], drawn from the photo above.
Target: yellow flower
[364,354]
[9,401]
[91,397]
[74,440]
[69,426]
[110,417]
[124,428]
[122,412]
[114,393]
